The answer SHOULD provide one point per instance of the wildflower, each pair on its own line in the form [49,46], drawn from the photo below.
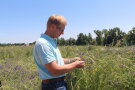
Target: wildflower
[17,68]
[7,70]
[31,77]
[1,66]
[82,53]
[8,65]
[134,50]
[91,61]
[84,60]
[122,65]
[23,71]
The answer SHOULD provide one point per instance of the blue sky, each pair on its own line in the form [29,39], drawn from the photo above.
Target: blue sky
[22,21]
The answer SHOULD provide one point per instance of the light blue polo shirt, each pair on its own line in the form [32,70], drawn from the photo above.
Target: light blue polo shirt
[46,51]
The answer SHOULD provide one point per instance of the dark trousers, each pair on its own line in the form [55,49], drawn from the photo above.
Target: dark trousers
[57,85]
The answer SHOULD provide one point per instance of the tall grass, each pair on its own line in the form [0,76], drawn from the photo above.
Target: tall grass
[107,68]
[18,71]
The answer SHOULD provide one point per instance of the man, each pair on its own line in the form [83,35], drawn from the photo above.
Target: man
[51,65]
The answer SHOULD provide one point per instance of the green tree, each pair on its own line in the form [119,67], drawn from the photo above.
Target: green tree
[61,41]
[71,41]
[99,38]
[89,39]
[82,39]
[105,36]
[131,37]
[113,36]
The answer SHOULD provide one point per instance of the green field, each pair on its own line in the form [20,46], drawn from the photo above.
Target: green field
[107,68]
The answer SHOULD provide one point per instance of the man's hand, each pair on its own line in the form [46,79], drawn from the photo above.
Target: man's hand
[70,60]
[77,59]
[79,64]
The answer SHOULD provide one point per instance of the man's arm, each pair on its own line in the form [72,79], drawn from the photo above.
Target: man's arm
[56,69]
[67,60]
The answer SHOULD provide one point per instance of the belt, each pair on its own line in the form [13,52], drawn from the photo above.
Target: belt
[53,80]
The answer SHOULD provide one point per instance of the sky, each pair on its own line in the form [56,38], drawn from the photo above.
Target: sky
[23,21]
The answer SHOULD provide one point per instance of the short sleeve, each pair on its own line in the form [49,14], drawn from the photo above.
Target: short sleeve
[45,53]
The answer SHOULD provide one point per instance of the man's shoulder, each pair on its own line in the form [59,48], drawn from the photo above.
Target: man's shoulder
[42,41]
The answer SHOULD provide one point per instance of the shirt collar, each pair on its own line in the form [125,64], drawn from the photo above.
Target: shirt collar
[43,35]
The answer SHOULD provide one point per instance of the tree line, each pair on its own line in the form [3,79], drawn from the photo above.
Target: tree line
[105,37]
[16,44]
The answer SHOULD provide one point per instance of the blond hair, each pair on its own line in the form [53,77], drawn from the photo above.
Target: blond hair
[57,20]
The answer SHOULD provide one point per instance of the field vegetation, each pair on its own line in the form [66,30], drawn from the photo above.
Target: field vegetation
[107,68]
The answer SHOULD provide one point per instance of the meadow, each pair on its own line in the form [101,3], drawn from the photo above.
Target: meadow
[107,68]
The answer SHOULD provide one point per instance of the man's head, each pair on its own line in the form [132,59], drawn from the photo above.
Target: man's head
[57,20]
[56,25]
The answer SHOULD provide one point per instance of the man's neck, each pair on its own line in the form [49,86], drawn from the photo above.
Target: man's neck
[48,33]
